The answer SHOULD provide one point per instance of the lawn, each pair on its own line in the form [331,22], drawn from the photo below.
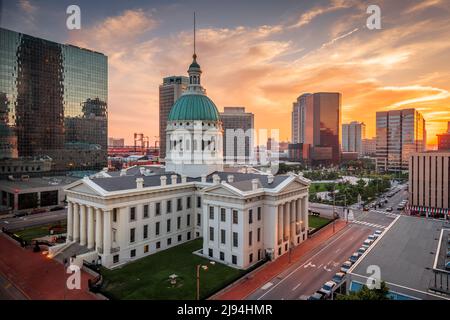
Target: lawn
[37,232]
[317,222]
[148,278]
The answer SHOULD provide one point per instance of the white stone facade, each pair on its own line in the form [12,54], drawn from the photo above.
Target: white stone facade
[133,222]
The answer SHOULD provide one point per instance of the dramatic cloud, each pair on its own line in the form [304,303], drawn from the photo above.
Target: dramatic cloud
[265,68]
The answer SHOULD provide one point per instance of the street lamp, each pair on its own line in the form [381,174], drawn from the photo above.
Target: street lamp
[204,267]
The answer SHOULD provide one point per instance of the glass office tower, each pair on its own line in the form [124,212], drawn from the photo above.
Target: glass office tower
[400,133]
[53,102]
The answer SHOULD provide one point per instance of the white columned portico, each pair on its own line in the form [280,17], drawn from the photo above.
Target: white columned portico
[82,225]
[90,232]
[106,232]
[76,222]
[280,223]
[98,230]
[69,221]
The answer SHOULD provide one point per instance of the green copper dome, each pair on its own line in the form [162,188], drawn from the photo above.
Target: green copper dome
[194,107]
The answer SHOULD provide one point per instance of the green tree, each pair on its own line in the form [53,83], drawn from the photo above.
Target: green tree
[368,294]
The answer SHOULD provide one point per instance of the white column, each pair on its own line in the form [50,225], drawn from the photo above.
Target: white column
[76,222]
[270,234]
[305,205]
[69,222]
[298,215]
[107,232]
[98,229]
[90,234]
[82,225]
[286,228]
[280,223]
[293,221]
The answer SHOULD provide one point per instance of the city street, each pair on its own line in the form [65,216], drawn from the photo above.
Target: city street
[33,220]
[309,273]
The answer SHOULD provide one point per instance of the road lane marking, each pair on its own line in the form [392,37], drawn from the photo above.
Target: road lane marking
[320,266]
[267,286]
[303,264]
[296,287]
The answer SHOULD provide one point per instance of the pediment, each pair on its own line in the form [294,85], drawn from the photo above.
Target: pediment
[83,188]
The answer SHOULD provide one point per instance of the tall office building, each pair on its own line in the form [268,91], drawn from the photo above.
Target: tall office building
[53,103]
[238,139]
[429,183]
[353,134]
[369,147]
[399,134]
[444,140]
[169,91]
[316,124]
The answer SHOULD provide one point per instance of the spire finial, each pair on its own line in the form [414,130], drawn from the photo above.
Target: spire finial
[195,55]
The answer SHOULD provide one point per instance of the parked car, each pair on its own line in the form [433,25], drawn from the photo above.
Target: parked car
[367,243]
[448,254]
[338,277]
[345,266]
[371,237]
[389,209]
[36,211]
[316,296]
[354,257]
[362,250]
[378,232]
[365,208]
[20,214]
[447,265]
[327,288]
[57,208]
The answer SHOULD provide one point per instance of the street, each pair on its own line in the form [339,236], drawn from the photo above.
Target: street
[309,273]
[33,220]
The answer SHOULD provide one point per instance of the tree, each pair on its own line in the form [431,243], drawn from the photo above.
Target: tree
[368,294]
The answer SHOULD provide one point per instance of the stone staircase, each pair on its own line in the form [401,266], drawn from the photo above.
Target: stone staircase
[72,249]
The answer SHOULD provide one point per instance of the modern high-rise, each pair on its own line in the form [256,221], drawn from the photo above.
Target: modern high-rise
[238,139]
[116,142]
[369,147]
[429,183]
[399,134]
[444,140]
[353,134]
[53,103]
[169,91]
[316,124]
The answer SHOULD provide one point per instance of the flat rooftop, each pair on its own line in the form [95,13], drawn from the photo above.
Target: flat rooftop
[20,186]
[405,255]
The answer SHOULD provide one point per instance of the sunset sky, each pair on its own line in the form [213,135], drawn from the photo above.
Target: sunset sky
[260,54]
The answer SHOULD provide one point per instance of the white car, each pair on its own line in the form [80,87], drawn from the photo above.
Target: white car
[367,243]
[327,288]
[378,232]
[345,266]
[371,237]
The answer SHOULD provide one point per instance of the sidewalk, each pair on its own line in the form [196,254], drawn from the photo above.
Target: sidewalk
[244,287]
[36,276]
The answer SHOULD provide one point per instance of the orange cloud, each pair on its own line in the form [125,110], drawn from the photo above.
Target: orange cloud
[265,68]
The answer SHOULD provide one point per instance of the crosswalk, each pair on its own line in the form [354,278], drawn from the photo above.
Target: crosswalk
[389,214]
[373,225]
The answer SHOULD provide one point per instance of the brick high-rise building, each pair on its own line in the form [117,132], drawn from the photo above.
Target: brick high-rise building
[444,140]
